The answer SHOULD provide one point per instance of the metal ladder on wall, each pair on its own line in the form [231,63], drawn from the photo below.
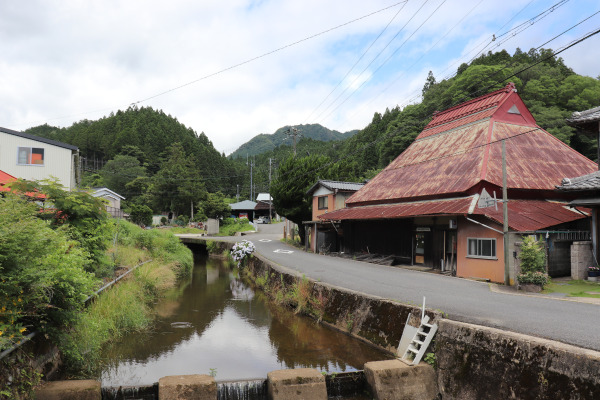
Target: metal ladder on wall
[418,345]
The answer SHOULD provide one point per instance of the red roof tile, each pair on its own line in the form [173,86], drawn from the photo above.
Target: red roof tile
[434,207]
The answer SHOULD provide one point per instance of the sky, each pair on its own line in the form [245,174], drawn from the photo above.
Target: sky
[234,69]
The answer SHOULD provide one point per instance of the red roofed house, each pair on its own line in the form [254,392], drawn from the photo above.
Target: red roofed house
[5,179]
[425,206]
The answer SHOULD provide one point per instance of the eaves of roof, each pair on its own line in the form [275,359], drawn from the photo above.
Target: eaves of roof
[403,210]
[580,117]
[581,183]
[39,139]
[335,185]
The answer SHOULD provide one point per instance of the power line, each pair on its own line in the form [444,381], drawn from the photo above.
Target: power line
[382,64]
[267,53]
[357,61]
[372,61]
[573,43]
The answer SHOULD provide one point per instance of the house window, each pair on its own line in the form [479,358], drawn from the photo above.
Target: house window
[30,156]
[481,248]
[323,203]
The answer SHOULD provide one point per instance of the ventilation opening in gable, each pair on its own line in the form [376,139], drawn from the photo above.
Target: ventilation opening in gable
[514,110]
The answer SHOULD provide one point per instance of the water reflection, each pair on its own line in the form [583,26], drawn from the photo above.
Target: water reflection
[212,322]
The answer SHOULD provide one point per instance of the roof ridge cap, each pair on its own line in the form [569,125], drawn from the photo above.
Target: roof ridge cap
[509,87]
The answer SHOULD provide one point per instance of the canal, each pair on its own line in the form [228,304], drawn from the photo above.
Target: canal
[212,323]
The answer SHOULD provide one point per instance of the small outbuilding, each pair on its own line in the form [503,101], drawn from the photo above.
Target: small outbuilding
[327,196]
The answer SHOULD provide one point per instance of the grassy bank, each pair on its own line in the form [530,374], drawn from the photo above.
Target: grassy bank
[125,307]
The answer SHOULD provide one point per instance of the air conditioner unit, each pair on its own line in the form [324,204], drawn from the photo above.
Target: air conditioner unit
[452,224]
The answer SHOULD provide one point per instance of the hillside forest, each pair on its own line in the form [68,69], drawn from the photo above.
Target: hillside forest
[153,160]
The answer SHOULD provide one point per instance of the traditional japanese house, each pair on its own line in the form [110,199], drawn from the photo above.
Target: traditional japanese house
[435,204]
[327,196]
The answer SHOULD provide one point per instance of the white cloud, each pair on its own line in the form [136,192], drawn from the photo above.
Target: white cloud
[84,59]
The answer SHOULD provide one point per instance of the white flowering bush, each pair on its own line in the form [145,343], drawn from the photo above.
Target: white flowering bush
[241,250]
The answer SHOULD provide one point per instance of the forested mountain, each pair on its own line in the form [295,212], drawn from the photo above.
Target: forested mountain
[150,158]
[266,142]
[155,160]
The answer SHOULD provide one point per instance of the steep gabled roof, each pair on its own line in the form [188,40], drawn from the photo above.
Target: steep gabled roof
[39,139]
[461,147]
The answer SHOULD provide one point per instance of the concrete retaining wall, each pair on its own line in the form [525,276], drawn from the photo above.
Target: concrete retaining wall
[476,362]
[473,362]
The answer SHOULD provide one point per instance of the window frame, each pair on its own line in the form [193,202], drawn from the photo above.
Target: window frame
[478,246]
[30,151]
[325,199]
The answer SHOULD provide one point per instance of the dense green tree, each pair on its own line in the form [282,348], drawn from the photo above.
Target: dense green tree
[214,206]
[295,176]
[121,170]
[176,186]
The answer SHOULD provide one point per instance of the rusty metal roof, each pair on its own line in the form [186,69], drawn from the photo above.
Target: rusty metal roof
[402,210]
[450,162]
[532,215]
[489,101]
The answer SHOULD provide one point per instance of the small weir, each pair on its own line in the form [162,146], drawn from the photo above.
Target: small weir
[242,390]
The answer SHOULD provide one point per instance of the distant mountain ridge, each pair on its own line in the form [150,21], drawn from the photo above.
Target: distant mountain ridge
[266,142]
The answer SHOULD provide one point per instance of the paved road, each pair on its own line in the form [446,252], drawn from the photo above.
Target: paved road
[464,300]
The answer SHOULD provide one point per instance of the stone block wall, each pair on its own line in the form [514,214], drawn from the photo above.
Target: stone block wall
[581,259]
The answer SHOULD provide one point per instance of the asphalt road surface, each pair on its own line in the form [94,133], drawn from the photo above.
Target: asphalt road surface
[571,322]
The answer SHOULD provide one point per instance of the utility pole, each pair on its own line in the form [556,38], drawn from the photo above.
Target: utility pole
[505,212]
[237,196]
[270,198]
[251,183]
[293,132]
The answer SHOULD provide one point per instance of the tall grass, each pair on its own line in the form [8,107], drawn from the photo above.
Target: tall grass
[125,307]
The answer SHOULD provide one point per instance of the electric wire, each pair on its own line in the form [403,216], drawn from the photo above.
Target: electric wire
[356,63]
[386,60]
[374,59]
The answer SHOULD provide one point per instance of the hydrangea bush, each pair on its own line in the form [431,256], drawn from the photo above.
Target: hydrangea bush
[241,250]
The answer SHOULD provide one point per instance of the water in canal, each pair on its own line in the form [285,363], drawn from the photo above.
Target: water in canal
[212,323]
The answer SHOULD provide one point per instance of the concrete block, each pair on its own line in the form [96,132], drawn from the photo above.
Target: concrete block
[395,380]
[184,387]
[296,384]
[70,390]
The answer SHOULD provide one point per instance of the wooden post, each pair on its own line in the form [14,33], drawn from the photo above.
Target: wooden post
[505,212]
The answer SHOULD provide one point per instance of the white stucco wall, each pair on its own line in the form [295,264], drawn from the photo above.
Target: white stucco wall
[58,161]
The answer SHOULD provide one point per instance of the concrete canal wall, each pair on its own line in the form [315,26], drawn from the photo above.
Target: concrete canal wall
[471,361]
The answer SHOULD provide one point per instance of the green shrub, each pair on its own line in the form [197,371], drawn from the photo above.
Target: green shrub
[533,262]
[43,273]
[141,215]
